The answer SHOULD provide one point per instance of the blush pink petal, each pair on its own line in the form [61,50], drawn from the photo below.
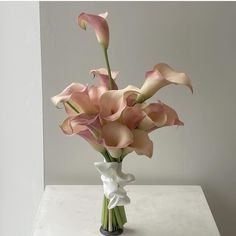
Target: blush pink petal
[103,77]
[116,136]
[92,123]
[131,116]
[99,24]
[83,127]
[89,137]
[66,94]
[155,117]
[172,76]
[172,116]
[142,144]
[69,129]
[75,99]
[162,75]
[113,102]
[95,92]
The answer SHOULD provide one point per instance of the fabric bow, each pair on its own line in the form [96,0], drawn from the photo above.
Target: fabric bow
[114,181]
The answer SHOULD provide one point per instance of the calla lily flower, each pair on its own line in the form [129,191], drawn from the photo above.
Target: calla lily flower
[67,94]
[142,144]
[99,24]
[76,100]
[95,93]
[81,122]
[69,129]
[113,102]
[162,75]
[117,121]
[155,117]
[88,127]
[158,115]
[103,77]
[116,137]
[172,116]
[131,116]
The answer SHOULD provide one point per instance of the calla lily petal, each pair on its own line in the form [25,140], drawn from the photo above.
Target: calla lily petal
[99,24]
[131,116]
[172,116]
[92,123]
[83,127]
[160,76]
[113,102]
[155,117]
[166,116]
[115,137]
[172,76]
[66,94]
[75,99]
[69,129]
[103,77]
[95,92]
[89,137]
[142,144]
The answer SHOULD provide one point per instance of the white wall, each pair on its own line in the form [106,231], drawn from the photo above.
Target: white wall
[21,137]
[197,38]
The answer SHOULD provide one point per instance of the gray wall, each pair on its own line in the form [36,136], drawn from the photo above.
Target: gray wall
[198,38]
[21,120]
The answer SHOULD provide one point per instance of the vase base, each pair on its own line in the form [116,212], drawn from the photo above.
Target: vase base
[113,233]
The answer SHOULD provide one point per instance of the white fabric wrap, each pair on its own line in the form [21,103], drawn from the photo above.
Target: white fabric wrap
[114,181]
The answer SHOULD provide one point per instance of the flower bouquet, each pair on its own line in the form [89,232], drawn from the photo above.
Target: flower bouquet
[116,121]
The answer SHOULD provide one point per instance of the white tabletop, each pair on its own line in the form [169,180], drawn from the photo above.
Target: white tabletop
[75,210]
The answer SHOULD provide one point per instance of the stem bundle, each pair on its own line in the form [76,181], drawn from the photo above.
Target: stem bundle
[112,219]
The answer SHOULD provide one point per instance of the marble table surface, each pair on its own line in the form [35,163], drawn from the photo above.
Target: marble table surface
[155,210]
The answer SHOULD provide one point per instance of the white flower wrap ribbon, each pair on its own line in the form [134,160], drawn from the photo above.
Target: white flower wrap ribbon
[114,181]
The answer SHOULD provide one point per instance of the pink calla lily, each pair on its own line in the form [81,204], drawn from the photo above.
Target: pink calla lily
[88,127]
[117,121]
[131,116]
[172,116]
[76,100]
[67,94]
[99,24]
[69,129]
[95,93]
[113,102]
[142,144]
[81,122]
[158,115]
[155,117]
[103,77]
[115,137]
[162,75]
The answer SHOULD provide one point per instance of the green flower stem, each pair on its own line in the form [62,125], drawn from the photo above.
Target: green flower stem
[110,220]
[140,98]
[111,158]
[103,212]
[104,225]
[73,107]
[108,69]
[122,214]
[114,222]
[118,217]
[106,156]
